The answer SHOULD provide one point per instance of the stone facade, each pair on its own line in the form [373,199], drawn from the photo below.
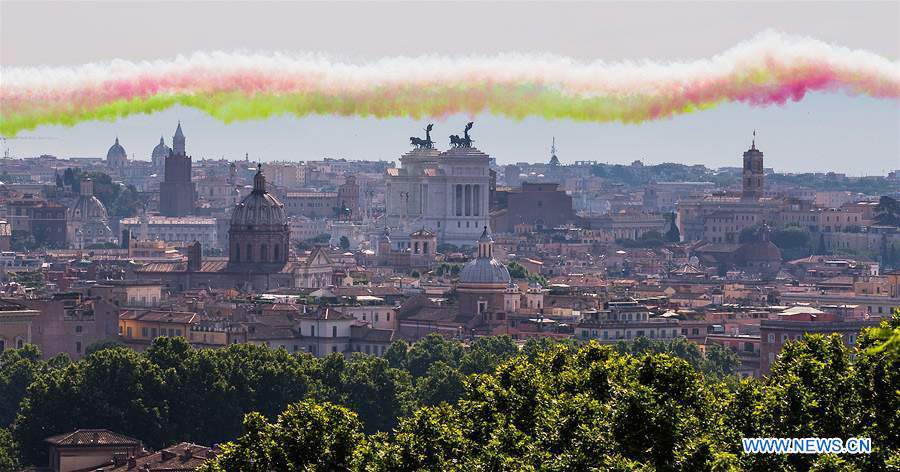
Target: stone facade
[446,193]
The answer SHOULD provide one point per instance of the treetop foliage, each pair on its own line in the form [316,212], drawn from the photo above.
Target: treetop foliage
[491,404]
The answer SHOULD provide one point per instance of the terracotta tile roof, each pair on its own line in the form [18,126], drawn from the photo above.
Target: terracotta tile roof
[92,437]
[368,334]
[263,333]
[181,457]
[326,314]
[160,316]
[163,267]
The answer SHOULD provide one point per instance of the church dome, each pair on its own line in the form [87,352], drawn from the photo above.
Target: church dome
[116,151]
[260,208]
[760,251]
[160,151]
[87,208]
[485,270]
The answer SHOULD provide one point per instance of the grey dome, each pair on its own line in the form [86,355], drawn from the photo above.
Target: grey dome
[88,208]
[260,207]
[116,151]
[160,151]
[484,271]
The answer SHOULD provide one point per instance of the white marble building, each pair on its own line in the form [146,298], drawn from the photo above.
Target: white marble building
[444,192]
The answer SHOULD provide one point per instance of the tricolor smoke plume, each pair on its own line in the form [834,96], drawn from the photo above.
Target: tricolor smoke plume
[770,69]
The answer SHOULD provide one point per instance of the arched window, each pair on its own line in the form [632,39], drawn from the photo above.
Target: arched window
[20,343]
[249,255]
[264,252]
[277,254]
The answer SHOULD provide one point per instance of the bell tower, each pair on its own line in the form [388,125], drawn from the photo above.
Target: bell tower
[753,178]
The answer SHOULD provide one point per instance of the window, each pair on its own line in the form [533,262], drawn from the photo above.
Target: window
[153,333]
[144,332]
[78,347]
[20,343]
[376,317]
[333,348]
[312,330]
[77,328]
[177,332]
[695,331]
[772,338]
[276,254]
[2,345]
[334,331]
[748,347]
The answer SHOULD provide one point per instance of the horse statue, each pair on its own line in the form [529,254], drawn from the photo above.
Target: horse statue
[465,141]
[420,143]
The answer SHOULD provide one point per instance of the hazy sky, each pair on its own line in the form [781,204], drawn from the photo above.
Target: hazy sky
[857,135]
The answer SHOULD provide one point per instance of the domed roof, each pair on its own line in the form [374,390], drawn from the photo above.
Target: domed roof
[116,151]
[760,251]
[160,151]
[87,208]
[260,207]
[484,271]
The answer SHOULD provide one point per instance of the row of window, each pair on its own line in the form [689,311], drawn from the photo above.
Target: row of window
[151,333]
[663,334]
[787,337]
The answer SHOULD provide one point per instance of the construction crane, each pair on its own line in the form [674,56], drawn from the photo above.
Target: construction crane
[6,149]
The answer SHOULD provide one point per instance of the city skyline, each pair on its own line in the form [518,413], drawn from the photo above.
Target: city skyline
[863,133]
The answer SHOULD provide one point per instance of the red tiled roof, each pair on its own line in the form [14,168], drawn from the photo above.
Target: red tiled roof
[181,457]
[91,437]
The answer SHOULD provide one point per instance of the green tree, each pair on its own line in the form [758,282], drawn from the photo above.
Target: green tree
[484,355]
[18,367]
[430,349]
[116,389]
[368,386]
[794,242]
[307,436]
[441,383]
[9,451]
[888,211]
[344,243]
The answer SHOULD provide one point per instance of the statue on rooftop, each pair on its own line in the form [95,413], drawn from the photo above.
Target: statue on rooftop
[465,141]
[420,143]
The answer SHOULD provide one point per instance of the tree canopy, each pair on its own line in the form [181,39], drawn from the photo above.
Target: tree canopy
[489,404]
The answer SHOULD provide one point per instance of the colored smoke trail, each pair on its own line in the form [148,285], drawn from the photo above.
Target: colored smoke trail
[769,69]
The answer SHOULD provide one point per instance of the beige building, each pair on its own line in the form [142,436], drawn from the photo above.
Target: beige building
[182,229]
[87,449]
[16,325]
